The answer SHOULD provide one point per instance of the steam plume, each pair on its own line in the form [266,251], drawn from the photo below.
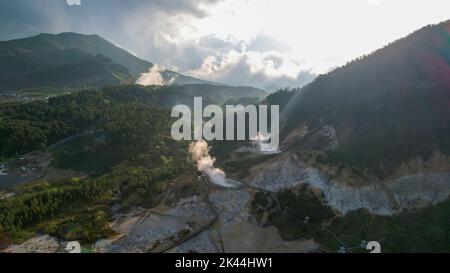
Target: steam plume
[259,141]
[199,151]
[154,77]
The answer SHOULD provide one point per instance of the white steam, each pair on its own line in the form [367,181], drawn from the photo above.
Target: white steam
[260,143]
[199,151]
[259,138]
[154,77]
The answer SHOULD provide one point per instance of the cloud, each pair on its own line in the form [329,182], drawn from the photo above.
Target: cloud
[264,42]
[268,70]
[163,32]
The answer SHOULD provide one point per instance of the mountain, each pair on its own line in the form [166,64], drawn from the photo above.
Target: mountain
[372,140]
[71,60]
[381,110]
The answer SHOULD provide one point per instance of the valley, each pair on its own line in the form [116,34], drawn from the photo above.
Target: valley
[87,155]
[195,215]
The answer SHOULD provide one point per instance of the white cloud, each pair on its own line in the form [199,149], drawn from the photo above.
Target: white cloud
[268,70]
[286,43]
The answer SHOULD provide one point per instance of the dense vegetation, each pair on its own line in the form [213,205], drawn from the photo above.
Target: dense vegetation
[301,214]
[132,141]
[27,127]
[167,96]
[296,214]
[421,230]
[282,97]
[78,209]
[387,107]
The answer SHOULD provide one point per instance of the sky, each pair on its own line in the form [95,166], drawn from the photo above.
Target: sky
[264,43]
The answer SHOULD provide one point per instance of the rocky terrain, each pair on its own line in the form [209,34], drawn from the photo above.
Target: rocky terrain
[379,197]
[40,244]
[147,230]
[219,221]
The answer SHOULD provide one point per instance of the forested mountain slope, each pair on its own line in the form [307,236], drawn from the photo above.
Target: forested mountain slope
[385,108]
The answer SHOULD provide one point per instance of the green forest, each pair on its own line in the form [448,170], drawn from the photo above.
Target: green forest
[139,153]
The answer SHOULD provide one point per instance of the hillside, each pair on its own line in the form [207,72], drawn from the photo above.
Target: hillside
[26,127]
[71,60]
[382,109]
